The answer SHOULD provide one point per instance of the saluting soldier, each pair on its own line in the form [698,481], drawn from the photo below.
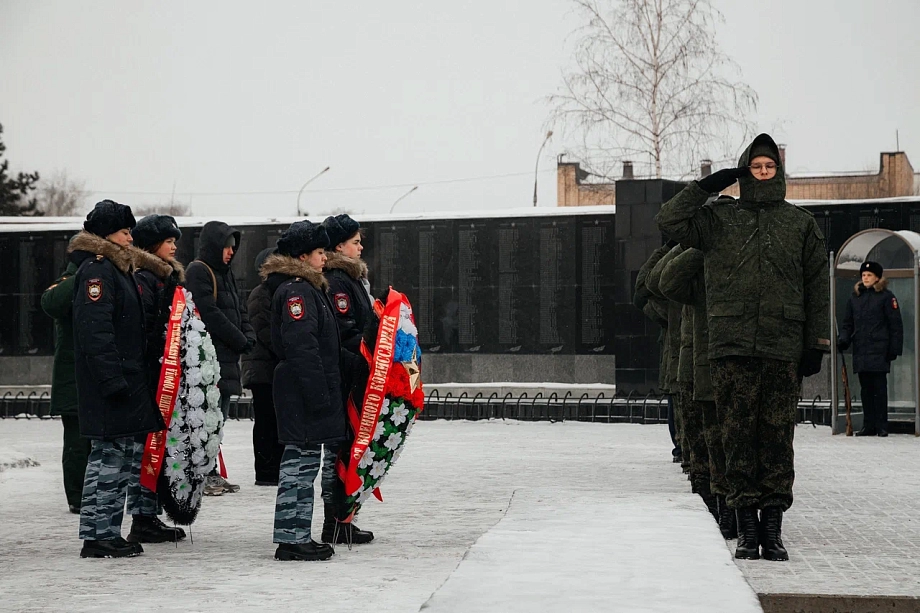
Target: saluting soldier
[767,287]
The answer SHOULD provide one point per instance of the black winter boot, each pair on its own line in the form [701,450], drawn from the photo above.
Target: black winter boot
[348,534]
[304,552]
[728,521]
[114,548]
[149,529]
[748,545]
[771,534]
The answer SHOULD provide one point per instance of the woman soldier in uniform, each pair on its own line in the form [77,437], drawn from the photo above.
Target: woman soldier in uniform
[116,405]
[158,275]
[872,324]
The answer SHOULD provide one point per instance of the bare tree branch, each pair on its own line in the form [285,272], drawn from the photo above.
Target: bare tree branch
[60,196]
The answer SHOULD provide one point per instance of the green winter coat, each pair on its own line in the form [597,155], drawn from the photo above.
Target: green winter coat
[765,267]
[682,280]
[57,302]
[685,360]
[656,309]
[673,313]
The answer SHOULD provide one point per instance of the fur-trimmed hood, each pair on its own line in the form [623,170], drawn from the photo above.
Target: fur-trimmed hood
[880,286]
[293,267]
[144,260]
[356,268]
[122,257]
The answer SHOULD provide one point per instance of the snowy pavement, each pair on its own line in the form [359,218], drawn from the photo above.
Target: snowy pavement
[484,516]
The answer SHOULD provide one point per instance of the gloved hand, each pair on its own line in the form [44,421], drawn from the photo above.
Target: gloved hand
[842,346]
[810,363]
[718,181]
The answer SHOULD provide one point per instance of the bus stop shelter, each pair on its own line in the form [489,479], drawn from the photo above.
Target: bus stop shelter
[899,254]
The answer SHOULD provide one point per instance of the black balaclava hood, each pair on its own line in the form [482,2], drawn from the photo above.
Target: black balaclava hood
[753,191]
[211,244]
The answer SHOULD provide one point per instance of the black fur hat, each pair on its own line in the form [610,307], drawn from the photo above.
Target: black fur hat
[302,237]
[262,256]
[874,267]
[154,229]
[340,228]
[108,217]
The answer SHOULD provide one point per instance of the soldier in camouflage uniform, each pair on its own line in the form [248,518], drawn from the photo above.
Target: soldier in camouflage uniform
[656,309]
[682,280]
[767,288]
[673,341]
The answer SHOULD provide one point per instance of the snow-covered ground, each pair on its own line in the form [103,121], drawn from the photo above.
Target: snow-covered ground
[479,516]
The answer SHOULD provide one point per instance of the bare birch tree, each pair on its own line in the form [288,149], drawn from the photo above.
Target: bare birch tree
[650,84]
[60,196]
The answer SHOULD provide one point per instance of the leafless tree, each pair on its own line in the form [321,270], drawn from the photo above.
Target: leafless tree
[650,84]
[172,207]
[60,196]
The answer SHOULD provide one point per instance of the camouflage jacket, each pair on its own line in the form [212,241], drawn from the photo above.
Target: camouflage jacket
[765,267]
[672,340]
[682,280]
[655,309]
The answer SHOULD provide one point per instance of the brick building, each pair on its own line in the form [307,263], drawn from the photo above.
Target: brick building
[895,177]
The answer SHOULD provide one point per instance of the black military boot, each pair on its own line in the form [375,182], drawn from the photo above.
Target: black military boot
[113,548]
[867,431]
[728,522]
[147,529]
[348,534]
[748,547]
[305,552]
[771,533]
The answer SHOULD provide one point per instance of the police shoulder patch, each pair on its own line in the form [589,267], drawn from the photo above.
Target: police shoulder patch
[94,289]
[295,307]
[341,302]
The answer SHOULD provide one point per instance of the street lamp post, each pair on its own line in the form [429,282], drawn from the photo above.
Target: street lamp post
[310,180]
[537,166]
[401,197]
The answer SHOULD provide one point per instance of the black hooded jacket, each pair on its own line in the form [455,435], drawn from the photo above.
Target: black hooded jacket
[872,324]
[349,297]
[225,316]
[305,337]
[109,342]
[259,364]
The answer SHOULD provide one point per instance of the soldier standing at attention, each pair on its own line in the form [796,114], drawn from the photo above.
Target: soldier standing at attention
[765,265]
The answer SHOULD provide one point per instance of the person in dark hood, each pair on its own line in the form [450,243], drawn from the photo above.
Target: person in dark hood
[57,302]
[307,382]
[765,266]
[115,402]
[872,324]
[217,296]
[158,274]
[349,291]
[258,372]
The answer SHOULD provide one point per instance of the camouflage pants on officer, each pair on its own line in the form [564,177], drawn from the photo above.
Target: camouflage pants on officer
[294,503]
[693,437]
[758,397]
[712,434]
[141,501]
[108,473]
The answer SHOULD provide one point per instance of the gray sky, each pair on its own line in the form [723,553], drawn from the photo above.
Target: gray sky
[233,97]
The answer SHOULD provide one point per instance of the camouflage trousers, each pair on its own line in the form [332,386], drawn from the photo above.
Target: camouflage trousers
[294,503]
[757,400]
[679,434]
[141,501]
[691,413]
[712,433]
[108,472]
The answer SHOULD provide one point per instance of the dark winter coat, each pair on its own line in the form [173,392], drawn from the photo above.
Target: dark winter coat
[57,302]
[872,324]
[109,342]
[305,337]
[157,281]
[674,311]
[655,309]
[346,277]
[259,364]
[225,317]
[765,266]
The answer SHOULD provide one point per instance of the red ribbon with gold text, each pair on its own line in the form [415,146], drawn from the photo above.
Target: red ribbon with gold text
[167,390]
[379,364]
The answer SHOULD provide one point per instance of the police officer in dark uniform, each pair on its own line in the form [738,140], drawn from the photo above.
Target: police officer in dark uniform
[872,325]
